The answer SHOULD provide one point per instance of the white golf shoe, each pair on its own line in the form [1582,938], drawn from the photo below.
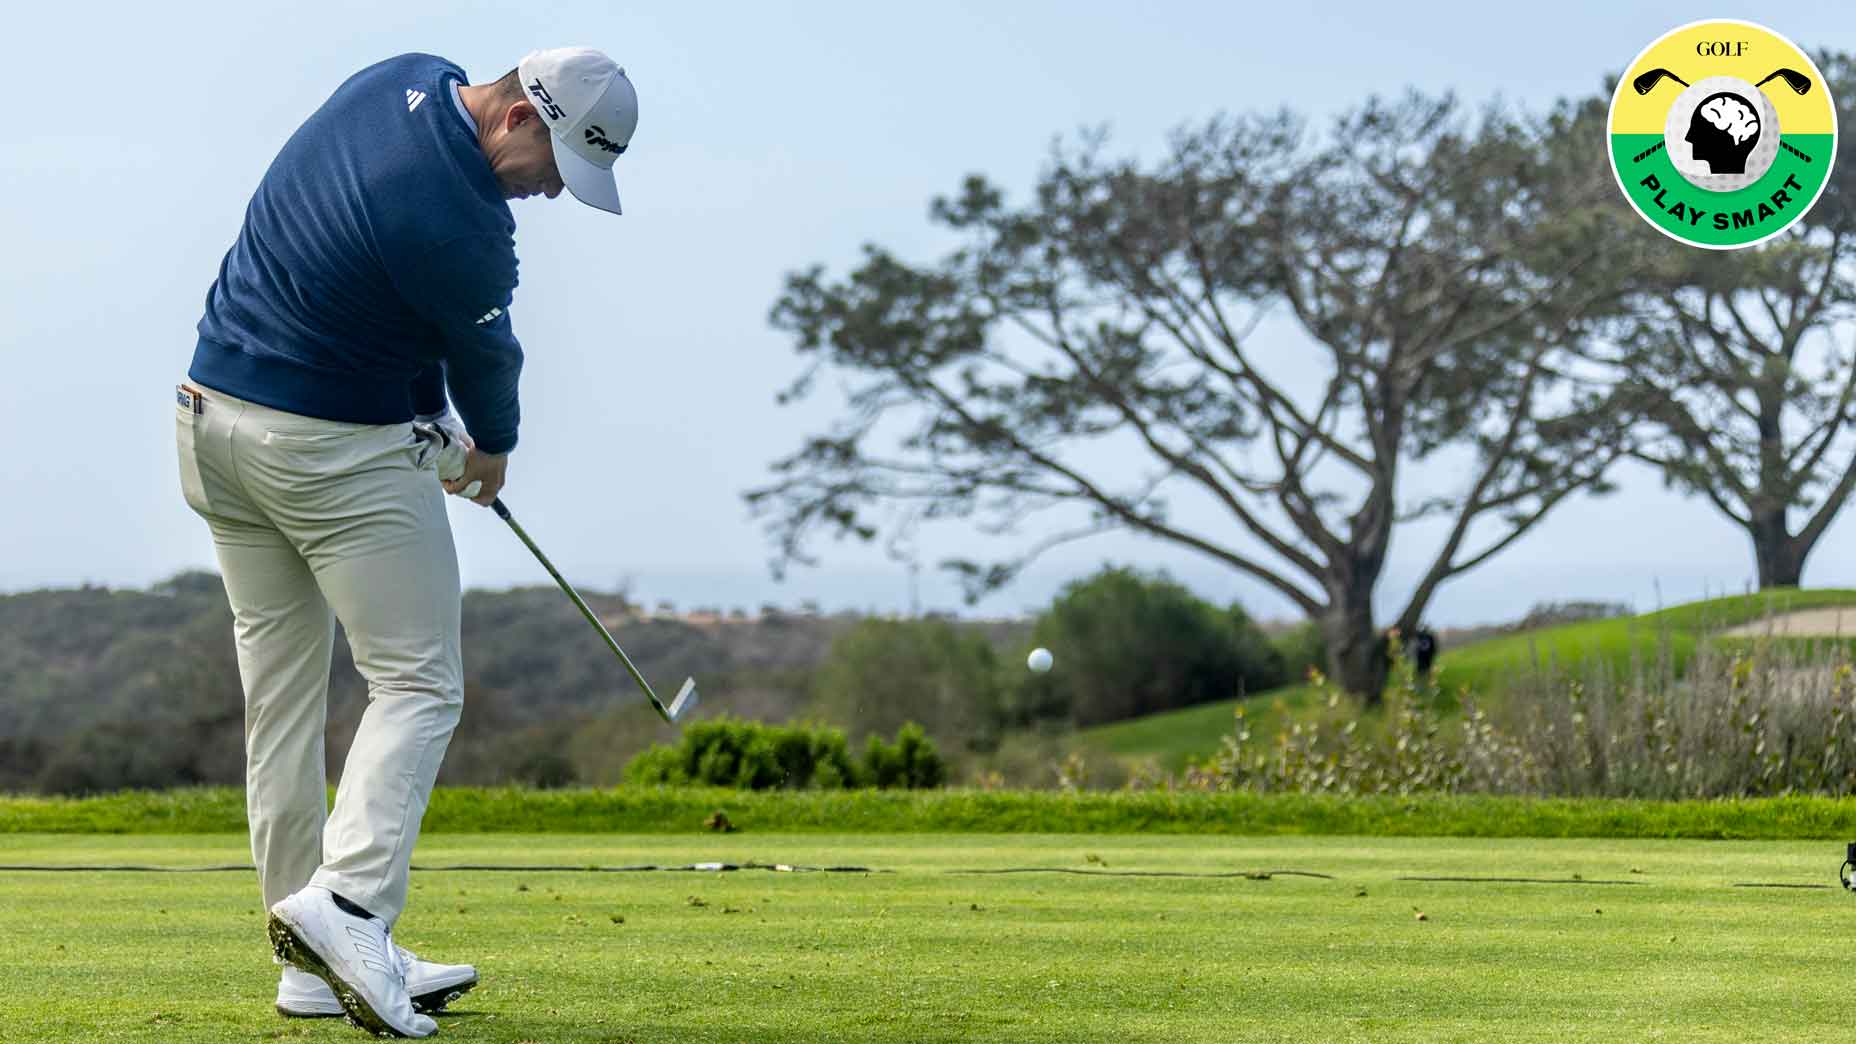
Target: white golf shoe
[354,956]
[431,986]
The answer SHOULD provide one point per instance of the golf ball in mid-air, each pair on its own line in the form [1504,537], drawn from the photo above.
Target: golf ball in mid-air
[1039,660]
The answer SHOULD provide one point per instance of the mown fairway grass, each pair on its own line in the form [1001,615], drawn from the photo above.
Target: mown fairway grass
[923,954]
[1173,738]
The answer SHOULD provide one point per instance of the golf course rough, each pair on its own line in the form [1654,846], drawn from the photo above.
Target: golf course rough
[1737,156]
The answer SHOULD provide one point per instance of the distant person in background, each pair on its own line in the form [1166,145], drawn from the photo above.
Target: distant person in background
[1420,649]
[368,290]
[1423,651]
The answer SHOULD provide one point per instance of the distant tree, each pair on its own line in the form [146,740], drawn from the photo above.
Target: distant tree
[1302,648]
[1553,614]
[189,733]
[191,582]
[1128,645]
[1261,659]
[883,674]
[1442,267]
[1745,362]
[21,761]
[546,770]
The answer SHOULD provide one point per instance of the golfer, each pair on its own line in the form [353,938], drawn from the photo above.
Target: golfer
[366,296]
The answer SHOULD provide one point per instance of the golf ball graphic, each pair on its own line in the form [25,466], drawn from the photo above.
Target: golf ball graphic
[1039,660]
[1722,134]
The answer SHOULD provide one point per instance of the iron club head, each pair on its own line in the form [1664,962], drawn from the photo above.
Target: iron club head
[1647,82]
[1797,81]
[685,701]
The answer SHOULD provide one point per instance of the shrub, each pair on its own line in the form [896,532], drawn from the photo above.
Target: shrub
[729,752]
[1128,645]
[659,764]
[114,757]
[882,674]
[912,762]
[1764,722]
[1554,614]
[751,755]
[1258,659]
[1040,760]
[1301,649]
[546,770]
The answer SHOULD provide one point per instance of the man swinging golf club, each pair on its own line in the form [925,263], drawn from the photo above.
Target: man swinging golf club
[373,276]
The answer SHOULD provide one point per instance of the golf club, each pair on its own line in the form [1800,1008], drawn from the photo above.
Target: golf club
[686,696]
[1647,82]
[1797,81]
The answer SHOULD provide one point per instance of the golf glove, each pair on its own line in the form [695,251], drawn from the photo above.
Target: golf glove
[454,445]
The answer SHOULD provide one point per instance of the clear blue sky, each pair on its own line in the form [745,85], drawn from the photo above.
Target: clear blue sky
[772,136]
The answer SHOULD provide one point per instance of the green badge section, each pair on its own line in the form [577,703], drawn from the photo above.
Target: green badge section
[1721,219]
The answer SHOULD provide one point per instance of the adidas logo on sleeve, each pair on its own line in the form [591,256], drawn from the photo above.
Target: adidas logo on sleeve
[413,98]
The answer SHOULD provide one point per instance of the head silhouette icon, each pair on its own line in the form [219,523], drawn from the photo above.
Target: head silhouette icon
[1722,132]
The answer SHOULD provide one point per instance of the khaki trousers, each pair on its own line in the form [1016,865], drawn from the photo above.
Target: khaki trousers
[315,521]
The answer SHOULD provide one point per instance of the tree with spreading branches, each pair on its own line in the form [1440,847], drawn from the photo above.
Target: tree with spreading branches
[1438,275]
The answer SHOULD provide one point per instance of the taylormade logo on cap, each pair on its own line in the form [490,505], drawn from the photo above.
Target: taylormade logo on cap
[591,111]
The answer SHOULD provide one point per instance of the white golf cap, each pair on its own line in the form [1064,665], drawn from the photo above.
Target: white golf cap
[591,110]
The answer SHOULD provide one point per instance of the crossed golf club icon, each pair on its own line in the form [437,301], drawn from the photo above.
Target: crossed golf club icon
[1644,84]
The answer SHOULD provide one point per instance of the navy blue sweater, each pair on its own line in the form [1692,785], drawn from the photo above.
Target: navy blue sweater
[375,267]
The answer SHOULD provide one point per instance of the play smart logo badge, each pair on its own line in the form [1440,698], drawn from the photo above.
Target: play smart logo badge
[1722,134]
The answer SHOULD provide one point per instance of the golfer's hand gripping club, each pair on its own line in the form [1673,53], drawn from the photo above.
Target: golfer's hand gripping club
[686,696]
[482,477]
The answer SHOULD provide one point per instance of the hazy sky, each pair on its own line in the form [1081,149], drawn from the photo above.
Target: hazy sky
[772,136]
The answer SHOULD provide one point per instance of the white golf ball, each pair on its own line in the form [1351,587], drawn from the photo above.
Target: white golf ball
[1039,660]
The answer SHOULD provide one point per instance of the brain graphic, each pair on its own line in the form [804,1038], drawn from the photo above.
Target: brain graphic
[1731,116]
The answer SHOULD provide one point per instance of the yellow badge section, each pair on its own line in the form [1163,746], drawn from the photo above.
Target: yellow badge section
[1723,47]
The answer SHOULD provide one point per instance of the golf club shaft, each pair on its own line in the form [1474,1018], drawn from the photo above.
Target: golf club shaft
[1646,153]
[502,512]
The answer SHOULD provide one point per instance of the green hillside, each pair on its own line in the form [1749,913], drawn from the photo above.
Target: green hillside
[1174,737]
[108,688]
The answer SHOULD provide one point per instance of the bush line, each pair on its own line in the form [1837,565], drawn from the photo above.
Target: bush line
[669,810]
